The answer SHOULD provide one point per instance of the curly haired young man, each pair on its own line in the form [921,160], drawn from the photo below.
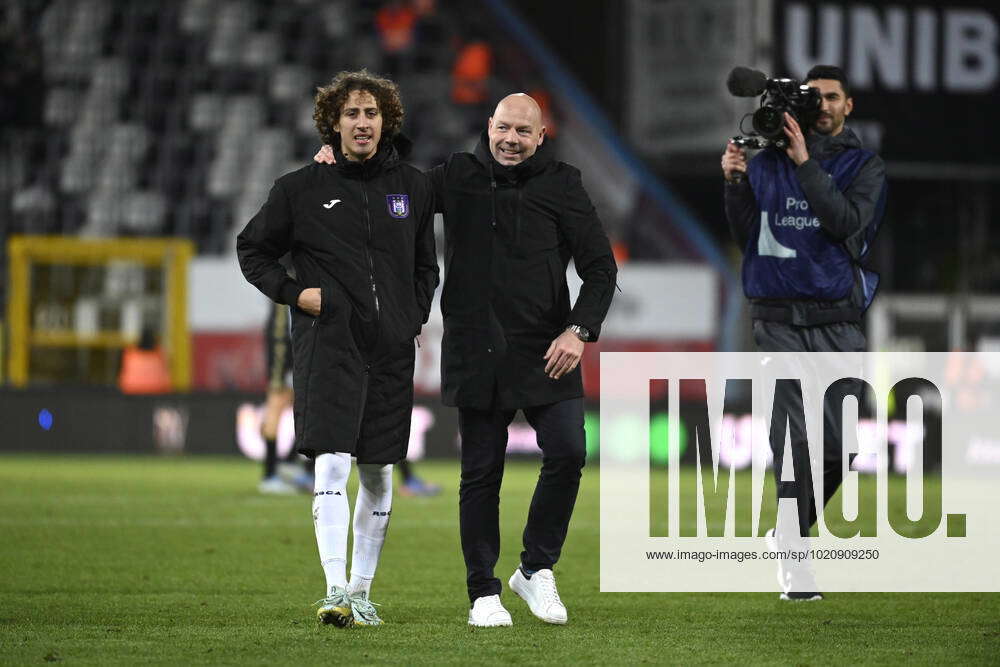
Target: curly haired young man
[361,240]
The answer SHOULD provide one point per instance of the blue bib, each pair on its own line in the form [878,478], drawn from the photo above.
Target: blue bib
[788,255]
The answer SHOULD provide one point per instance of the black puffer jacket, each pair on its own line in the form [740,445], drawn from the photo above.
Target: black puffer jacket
[362,233]
[509,235]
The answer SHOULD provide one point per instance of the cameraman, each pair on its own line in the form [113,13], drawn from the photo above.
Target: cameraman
[804,218]
[820,204]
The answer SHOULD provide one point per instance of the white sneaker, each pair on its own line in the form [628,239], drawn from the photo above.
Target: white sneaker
[795,578]
[541,595]
[784,585]
[488,612]
[276,485]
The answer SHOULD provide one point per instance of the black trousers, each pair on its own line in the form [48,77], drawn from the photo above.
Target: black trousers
[837,337]
[559,427]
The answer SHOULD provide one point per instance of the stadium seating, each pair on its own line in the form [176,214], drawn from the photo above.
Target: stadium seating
[175,118]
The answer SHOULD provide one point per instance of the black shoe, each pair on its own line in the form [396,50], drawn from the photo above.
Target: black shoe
[797,596]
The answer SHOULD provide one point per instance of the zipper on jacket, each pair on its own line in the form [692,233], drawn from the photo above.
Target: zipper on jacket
[307,393]
[361,411]
[493,199]
[517,217]
[371,348]
[368,255]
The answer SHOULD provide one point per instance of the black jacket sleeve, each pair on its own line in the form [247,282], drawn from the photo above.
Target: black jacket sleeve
[425,266]
[436,176]
[842,215]
[741,211]
[591,251]
[261,244]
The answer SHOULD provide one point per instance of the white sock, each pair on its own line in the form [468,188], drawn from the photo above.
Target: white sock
[332,516]
[371,521]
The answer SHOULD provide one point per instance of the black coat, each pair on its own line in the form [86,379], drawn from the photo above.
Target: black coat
[363,233]
[509,235]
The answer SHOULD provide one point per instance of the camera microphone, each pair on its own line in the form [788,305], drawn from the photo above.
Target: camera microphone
[746,82]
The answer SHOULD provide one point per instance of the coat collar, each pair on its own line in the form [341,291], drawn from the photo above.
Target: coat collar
[824,145]
[387,156]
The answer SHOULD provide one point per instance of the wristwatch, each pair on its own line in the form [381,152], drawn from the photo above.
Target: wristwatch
[583,333]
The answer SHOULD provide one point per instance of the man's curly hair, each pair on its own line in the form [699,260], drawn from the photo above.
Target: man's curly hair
[330,100]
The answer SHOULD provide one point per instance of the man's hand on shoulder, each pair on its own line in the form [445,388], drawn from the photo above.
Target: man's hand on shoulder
[796,141]
[325,155]
[310,301]
[563,355]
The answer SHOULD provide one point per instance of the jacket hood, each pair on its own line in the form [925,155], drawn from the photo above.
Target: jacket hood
[390,151]
[822,145]
[520,171]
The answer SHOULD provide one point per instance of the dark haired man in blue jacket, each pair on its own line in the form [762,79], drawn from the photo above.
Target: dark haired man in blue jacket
[805,219]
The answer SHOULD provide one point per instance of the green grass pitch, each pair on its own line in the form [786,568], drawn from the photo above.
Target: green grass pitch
[179,561]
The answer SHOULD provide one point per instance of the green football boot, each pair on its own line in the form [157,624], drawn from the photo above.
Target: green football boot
[335,608]
[363,610]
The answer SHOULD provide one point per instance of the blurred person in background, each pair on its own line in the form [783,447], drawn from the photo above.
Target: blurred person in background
[396,25]
[413,485]
[288,477]
[144,367]
[361,239]
[513,218]
[805,218]
[471,75]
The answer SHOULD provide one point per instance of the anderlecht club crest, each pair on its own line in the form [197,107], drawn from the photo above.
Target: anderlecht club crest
[399,205]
